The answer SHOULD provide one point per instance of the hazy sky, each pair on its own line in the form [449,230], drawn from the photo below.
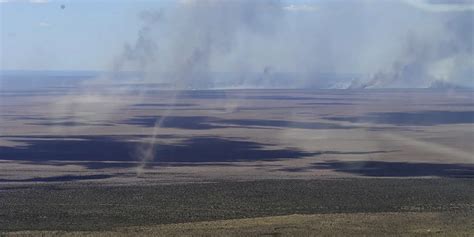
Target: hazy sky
[360,36]
[84,35]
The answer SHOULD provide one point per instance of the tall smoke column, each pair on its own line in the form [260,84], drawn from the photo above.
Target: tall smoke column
[204,29]
[139,56]
[104,95]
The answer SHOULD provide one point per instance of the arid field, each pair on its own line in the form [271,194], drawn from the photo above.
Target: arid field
[237,162]
[236,118]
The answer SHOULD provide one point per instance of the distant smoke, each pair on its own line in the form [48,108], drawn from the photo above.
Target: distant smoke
[200,30]
[145,48]
[427,61]
[178,48]
[209,44]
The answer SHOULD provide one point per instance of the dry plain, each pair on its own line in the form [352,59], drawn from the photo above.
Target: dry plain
[363,158]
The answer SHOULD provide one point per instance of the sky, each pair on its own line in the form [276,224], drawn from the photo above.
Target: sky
[39,35]
[383,39]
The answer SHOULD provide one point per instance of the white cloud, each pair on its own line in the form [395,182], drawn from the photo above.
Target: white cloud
[44,24]
[23,1]
[302,7]
[441,6]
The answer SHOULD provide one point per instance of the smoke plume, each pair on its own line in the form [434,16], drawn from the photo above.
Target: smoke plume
[215,44]
[201,30]
[431,62]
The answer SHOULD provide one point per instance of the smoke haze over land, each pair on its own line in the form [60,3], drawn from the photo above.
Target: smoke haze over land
[267,44]
[178,117]
[214,44]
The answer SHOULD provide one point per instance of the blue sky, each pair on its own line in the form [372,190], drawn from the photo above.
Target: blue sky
[84,35]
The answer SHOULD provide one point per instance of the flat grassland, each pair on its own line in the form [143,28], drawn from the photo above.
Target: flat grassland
[238,162]
[440,205]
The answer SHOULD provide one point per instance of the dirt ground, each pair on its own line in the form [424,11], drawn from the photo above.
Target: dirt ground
[354,224]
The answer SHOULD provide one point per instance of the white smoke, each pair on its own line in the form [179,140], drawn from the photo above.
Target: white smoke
[201,30]
[207,44]
[426,59]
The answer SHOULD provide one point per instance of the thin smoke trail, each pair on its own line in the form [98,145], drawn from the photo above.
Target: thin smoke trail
[191,55]
[147,152]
